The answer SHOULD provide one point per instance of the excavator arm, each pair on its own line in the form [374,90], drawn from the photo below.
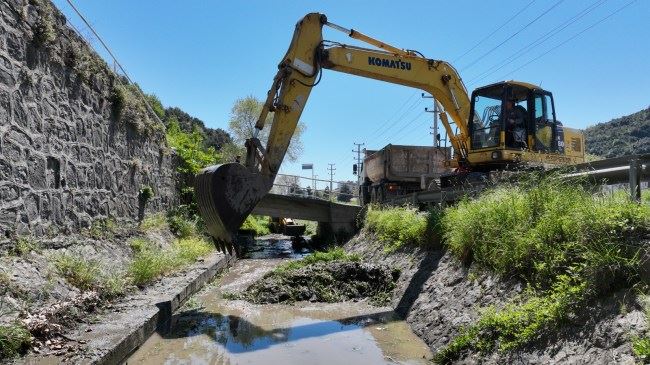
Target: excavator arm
[227,193]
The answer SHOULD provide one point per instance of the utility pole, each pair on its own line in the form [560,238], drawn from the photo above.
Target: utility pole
[435,111]
[358,151]
[331,169]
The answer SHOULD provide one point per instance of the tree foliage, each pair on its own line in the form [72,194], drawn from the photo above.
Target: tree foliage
[189,146]
[243,117]
[622,136]
[217,138]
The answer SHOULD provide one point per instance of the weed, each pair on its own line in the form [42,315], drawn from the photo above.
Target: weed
[79,272]
[192,304]
[397,227]
[258,224]
[44,33]
[641,348]
[567,244]
[154,222]
[145,194]
[15,339]
[103,228]
[139,244]
[333,254]
[87,275]
[230,296]
[118,101]
[150,262]
[25,245]
[181,225]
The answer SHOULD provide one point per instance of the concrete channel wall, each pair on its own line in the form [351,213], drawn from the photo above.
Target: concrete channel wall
[65,159]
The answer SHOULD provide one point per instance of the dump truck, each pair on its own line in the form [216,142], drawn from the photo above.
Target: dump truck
[399,170]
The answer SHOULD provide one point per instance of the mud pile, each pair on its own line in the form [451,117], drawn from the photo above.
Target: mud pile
[334,281]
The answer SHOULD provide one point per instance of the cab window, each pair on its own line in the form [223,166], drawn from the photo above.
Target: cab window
[486,123]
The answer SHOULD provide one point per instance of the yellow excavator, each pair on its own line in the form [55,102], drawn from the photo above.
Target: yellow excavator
[500,126]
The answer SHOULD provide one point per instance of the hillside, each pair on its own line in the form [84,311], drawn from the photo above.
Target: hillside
[622,136]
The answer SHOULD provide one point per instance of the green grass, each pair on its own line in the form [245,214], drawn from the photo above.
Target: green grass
[399,226]
[150,262]
[24,245]
[154,222]
[78,271]
[333,254]
[641,348]
[15,339]
[257,223]
[103,228]
[645,196]
[181,225]
[311,227]
[87,275]
[567,244]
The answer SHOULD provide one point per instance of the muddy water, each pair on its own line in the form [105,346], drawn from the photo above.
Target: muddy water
[215,330]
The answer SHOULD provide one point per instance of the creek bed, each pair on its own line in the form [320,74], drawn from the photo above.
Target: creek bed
[215,330]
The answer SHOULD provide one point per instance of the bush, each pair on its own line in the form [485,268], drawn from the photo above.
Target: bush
[537,232]
[181,225]
[24,245]
[398,226]
[15,339]
[258,224]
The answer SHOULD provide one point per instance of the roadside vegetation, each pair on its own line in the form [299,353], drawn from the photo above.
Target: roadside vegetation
[567,244]
[258,224]
[400,226]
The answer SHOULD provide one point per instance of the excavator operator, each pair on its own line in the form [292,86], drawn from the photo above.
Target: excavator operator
[515,124]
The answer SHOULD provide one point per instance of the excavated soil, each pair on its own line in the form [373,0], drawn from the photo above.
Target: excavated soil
[335,281]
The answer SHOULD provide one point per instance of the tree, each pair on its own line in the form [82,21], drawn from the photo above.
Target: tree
[243,117]
[216,138]
[345,193]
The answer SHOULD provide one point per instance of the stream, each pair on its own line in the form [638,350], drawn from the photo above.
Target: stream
[211,329]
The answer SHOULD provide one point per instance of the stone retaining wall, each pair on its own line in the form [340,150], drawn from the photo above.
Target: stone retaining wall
[65,158]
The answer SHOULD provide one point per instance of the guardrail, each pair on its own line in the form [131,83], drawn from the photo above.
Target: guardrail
[628,169]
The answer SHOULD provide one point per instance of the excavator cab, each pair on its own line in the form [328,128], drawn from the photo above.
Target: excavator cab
[509,120]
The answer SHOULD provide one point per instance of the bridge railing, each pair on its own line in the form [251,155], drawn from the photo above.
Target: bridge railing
[308,187]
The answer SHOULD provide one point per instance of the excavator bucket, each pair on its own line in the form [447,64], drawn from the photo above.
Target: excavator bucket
[226,195]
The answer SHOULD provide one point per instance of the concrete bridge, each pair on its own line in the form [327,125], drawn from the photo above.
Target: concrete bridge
[338,217]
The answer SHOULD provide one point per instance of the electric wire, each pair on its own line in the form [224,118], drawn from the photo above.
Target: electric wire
[480,58]
[144,98]
[526,49]
[493,32]
[570,38]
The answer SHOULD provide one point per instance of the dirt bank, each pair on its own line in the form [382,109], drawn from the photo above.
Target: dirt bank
[438,296]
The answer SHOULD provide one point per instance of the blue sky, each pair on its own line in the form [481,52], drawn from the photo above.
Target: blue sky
[203,55]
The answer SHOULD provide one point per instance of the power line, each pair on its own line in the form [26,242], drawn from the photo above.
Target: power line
[394,114]
[480,58]
[570,38]
[144,98]
[396,122]
[494,31]
[524,50]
